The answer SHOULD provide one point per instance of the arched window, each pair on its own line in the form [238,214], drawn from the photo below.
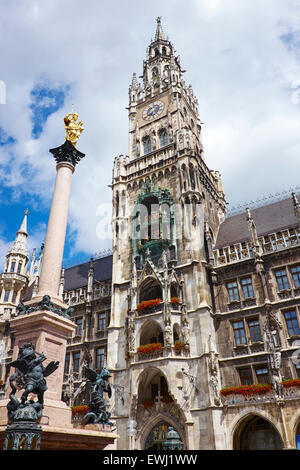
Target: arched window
[155,74]
[147,145]
[117,204]
[258,434]
[163,138]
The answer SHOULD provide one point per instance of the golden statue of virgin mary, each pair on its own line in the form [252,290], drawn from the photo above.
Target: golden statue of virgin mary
[73,129]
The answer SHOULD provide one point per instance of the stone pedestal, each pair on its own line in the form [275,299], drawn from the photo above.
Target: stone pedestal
[49,331]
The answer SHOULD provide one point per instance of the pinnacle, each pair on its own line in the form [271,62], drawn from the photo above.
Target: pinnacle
[23,228]
[159,31]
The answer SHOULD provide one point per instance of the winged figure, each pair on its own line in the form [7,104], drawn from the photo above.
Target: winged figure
[30,373]
[97,410]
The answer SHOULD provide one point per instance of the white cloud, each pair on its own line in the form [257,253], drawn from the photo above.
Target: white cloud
[243,74]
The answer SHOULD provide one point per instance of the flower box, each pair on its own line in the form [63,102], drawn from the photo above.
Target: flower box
[179,345]
[145,304]
[148,403]
[167,399]
[253,389]
[82,409]
[149,348]
[175,301]
[290,383]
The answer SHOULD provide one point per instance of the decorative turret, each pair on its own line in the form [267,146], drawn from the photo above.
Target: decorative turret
[14,279]
[17,257]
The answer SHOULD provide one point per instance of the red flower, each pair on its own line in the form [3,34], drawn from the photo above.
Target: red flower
[149,348]
[246,390]
[148,304]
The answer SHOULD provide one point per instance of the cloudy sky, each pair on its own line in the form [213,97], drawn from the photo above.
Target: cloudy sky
[242,58]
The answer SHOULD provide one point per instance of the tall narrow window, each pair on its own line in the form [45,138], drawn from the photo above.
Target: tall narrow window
[76,361]
[99,358]
[67,364]
[262,375]
[6,295]
[282,280]
[295,270]
[239,333]
[247,287]
[298,370]
[254,330]
[163,138]
[246,376]
[233,291]
[19,267]
[12,267]
[79,323]
[292,323]
[101,321]
[147,145]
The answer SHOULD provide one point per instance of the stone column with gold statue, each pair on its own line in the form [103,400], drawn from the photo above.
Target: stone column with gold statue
[44,321]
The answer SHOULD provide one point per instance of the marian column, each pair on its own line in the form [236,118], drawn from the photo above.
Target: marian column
[66,157]
[44,320]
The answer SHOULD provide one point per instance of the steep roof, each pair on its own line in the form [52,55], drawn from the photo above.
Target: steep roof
[268,219]
[77,276]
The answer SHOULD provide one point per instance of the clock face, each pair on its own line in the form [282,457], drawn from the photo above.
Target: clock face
[153,110]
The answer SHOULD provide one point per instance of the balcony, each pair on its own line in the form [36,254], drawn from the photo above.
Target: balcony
[241,304]
[286,393]
[163,352]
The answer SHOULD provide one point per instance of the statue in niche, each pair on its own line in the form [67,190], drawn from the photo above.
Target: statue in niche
[213,377]
[168,335]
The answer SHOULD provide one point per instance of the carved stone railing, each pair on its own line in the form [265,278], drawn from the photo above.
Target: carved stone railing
[139,356]
[236,305]
[268,244]
[241,304]
[150,310]
[236,399]
[240,350]
[285,294]
[257,347]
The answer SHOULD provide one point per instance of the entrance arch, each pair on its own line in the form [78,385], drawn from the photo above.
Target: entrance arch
[256,433]
[157,436]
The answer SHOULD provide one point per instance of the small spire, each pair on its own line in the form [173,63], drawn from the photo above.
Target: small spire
[134,81]
[296,206]
[159,31]
[23,228]
[20,243]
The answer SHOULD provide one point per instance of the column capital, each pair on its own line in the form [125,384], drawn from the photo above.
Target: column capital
[67,153]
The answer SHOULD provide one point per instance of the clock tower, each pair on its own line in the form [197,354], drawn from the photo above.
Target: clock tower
[167,207]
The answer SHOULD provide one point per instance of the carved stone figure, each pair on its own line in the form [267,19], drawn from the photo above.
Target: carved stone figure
[97,409]
[168,336]
[30,374]
[213,376]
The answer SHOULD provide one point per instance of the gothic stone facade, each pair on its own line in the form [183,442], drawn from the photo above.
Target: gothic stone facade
[190,302]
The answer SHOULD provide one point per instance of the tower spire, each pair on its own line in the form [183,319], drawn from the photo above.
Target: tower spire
[159,35]
[20,243]
[23,228]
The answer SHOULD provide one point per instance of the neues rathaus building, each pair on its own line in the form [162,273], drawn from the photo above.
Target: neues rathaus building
[195,313]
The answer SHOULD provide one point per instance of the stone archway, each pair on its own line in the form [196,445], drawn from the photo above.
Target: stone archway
[256,433]
[157,435]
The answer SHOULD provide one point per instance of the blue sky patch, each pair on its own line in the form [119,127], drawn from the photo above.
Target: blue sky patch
[45,101]
[6,139]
